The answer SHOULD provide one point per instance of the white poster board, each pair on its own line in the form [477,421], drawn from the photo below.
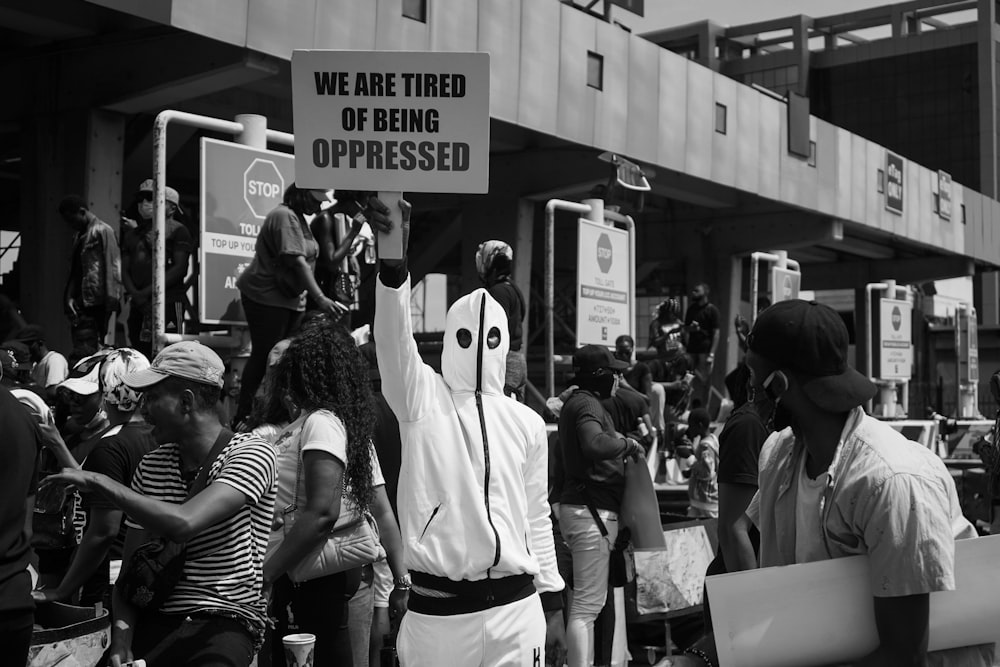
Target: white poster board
[604,284]
[821,613]
[895,339]
[785,284]
[392,120]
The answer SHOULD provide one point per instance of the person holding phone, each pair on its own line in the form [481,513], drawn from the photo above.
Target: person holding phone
[337,230]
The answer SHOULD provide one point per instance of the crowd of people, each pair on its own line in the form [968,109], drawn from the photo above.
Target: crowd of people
[386,508]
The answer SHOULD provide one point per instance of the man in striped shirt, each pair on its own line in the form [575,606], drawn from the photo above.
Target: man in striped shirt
[217,612]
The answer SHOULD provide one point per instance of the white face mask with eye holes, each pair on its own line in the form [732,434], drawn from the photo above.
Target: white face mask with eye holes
[475,322]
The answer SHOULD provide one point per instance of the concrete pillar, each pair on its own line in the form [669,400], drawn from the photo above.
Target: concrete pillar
[986,297]
[104,166]
[523,253]
[55,152]
[987,51]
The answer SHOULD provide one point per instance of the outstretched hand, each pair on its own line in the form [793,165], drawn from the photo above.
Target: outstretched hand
[79,479]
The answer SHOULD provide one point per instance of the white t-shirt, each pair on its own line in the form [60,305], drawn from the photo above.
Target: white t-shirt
[314,431]
[809,544]
[50,370]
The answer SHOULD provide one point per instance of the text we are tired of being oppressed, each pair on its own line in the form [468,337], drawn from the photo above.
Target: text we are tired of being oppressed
[391,154]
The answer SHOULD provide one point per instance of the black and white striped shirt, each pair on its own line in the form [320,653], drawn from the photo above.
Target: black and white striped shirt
[223,570]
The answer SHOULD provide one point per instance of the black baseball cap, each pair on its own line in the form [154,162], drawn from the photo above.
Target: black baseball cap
[811,339]
[592,358]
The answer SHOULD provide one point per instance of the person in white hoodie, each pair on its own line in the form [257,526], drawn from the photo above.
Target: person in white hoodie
[472,490]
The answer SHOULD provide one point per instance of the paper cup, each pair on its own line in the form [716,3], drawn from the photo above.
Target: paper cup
[299,649]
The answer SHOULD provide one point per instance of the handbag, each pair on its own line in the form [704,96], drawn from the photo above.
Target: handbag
[150,575]
[52,524]
[353,542]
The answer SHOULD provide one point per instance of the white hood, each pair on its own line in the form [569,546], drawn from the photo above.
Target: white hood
[476,342]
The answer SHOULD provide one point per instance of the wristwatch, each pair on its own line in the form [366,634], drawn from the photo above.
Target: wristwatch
[403,583]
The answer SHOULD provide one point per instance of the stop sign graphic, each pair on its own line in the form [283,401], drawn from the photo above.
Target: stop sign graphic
[604,253]
[263,187]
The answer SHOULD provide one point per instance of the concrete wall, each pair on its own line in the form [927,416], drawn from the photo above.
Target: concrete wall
[656,106]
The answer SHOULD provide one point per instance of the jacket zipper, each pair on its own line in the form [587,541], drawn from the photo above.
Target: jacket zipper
[428,524]
[486,442]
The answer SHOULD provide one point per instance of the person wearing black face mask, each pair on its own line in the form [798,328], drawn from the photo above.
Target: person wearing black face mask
[137,265]
[594,475]
[833,482]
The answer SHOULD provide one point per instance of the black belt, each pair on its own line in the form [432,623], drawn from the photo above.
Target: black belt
[466,596]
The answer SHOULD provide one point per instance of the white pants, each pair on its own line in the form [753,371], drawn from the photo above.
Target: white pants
[509,636]
[591,564]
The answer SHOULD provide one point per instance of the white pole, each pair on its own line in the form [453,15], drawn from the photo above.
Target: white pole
[252,130]
[550,283]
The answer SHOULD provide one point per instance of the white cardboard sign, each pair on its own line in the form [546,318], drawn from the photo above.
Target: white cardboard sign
[821,613]
[392,120]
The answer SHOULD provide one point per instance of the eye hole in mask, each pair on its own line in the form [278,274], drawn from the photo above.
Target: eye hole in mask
[464,337]
[493,338]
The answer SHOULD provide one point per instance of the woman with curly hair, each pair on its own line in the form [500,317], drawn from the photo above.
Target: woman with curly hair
[325,454]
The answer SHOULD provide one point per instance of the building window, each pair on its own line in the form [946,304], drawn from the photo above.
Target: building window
[812,154]
[415,9]
[963,214]
[720,118]
[881,180]
[595,70]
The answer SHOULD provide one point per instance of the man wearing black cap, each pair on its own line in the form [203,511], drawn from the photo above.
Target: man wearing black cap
[594,483]
[834,482]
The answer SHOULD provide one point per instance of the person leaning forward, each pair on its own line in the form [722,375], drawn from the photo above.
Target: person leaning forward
[216,614]
[834,482]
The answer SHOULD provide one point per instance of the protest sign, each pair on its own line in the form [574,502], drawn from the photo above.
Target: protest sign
[392,120]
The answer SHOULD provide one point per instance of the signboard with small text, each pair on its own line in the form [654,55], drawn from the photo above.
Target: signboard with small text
[604,284]
[392,120]
[784,284]
[894,182]
[239,186]
[944,195]
[968,345]
[895,340]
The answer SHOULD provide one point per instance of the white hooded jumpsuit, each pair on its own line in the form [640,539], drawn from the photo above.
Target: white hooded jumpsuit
[472,493]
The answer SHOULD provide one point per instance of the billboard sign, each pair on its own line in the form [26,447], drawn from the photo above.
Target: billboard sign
[944,195]
[604,284]
[394,121]
[894,182]
[239,186]
[895,340]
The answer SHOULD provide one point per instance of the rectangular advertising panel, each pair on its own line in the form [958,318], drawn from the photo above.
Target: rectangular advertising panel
[604,284]
[944,195]
[396,121]
[895,340]
[894,182]
[968,345]
[785,284]
[239,186]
